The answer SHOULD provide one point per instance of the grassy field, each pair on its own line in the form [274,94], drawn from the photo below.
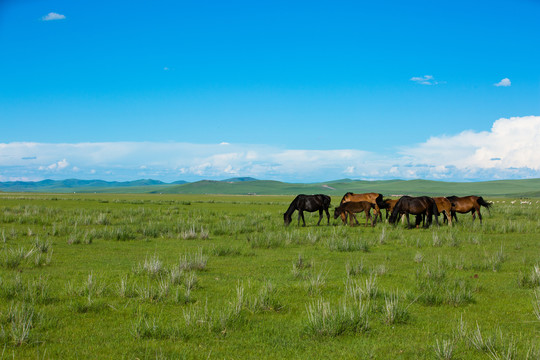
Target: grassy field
[208,276]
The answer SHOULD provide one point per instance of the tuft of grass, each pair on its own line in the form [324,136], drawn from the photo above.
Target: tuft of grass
[394,311]
[20,320]
[532,280]
[193,261]
[327,321]
[265,241]
[444,350]
[315,282]
[366,291]
[225,251]
[267,299]
[355,269]
[536,303]
[348,245]
[151,266]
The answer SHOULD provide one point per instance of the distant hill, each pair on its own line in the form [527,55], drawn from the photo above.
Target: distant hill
[247,185]
[239,179]
[70,185]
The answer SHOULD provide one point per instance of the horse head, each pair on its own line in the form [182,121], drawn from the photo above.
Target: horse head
[287,219]
[337,212]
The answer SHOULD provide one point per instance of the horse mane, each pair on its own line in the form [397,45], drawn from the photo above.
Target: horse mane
[344,196]
[293,206]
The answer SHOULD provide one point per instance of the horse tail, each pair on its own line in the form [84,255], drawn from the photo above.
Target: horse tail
[484,203]
[435,209]
[327,200]
[379,201]
[397,208]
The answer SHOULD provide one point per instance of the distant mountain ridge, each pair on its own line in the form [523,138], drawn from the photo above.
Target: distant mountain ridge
[251,186]
[47,185]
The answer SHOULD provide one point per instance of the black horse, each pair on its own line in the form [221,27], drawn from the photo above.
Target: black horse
[309,203]
[422,205]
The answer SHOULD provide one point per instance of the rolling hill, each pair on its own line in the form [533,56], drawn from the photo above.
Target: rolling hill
[246,186]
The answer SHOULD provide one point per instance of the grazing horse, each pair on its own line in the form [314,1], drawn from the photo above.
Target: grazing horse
[422,205]
[389,204]
[467,204]
[352,207]
[374,198]
[444,205]
[309,203]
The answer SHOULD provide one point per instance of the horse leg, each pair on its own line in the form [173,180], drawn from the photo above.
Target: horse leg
[373,219]
[479,216]
[473,213]
[453,215]
[301,215]
[327,216]
[320,216]
[343,216]
[447,217]
[353,215]
[418,220]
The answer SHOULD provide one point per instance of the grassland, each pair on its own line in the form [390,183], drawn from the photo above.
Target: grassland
[208,276]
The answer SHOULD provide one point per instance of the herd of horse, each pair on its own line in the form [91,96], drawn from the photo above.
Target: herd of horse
[425,208]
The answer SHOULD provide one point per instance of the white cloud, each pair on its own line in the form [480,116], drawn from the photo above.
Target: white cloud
[424,80]
[57,166]
[510,149]
[53,16]
[504,82]
[511,146]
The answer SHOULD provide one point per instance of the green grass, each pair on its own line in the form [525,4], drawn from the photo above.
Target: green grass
[207,276]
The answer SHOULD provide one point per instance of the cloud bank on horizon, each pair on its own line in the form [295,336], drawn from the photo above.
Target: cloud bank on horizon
[511,149]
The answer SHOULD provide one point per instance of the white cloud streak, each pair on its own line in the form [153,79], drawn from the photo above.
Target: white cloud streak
[53,16]
[425,80]
[510,149]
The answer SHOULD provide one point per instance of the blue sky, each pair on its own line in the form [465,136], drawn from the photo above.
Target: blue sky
[295,91]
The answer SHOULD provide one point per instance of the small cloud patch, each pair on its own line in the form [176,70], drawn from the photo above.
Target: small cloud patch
[424,80]
[504,83]
[53,16]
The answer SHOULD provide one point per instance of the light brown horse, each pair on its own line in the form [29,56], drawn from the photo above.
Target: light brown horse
[352,207]
[374,198]
[389,206]
[467,204]
[443,204]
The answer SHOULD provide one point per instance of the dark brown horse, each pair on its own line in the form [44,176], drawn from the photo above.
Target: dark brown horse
[422,205]
[374,198]
[352,207]
[309,203]
[467,204]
